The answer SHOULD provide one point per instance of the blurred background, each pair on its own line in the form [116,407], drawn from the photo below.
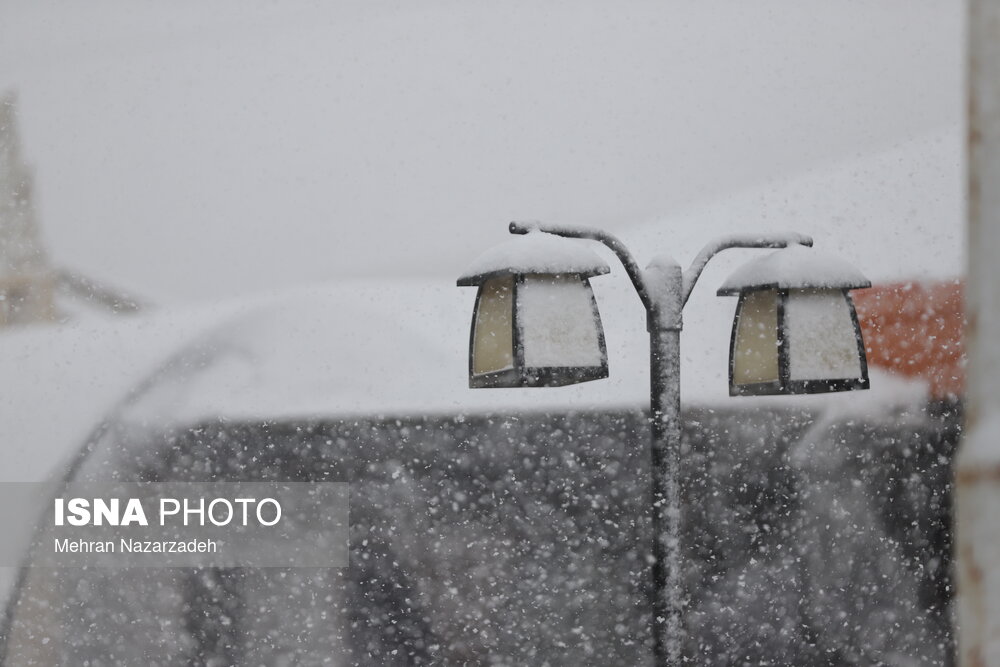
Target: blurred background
[256,214]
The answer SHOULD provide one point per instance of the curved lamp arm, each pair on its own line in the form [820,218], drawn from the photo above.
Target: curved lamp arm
[616,246]
[737,241]
[690,277]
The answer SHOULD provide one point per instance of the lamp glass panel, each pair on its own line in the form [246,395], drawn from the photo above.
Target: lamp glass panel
[558,323]
[823,343]
[493,338]
[755,351]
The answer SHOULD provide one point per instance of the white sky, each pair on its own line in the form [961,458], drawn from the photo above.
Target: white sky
[189,150]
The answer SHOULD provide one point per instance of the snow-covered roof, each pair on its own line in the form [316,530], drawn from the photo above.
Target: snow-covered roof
[336,350]
[400,349]
[794,267]
[533,253]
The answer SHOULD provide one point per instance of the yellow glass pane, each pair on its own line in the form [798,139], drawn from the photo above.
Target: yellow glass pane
[755,356]
[493,340]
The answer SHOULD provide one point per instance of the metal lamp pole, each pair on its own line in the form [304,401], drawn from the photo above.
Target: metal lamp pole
[664,289]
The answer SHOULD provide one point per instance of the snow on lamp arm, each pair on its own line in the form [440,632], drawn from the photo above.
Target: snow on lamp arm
[788,351]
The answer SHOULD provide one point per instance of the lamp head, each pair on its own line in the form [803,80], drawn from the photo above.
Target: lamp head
[536,322]
[795,329]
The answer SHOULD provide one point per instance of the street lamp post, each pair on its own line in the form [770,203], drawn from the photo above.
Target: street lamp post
[664,289]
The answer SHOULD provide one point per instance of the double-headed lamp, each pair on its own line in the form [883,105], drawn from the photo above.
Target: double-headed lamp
[795,330]
[536,322]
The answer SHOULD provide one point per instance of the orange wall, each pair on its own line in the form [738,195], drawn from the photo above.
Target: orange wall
[915,330]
